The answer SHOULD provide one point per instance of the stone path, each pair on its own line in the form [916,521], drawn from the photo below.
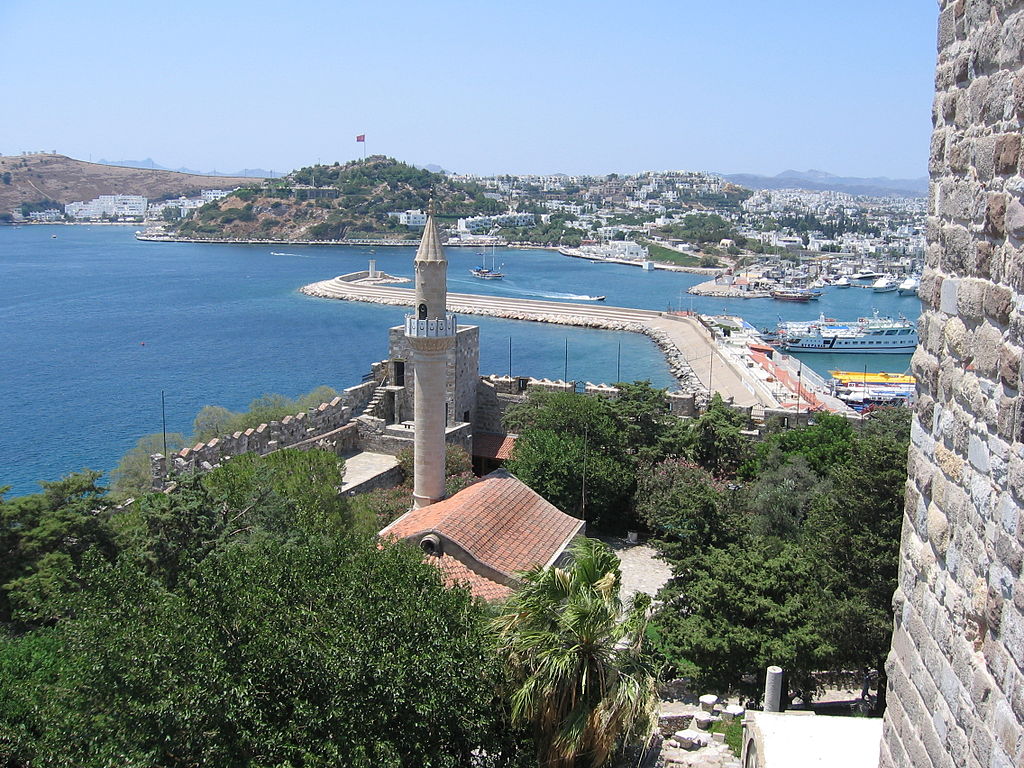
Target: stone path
[642,569]
[361,467]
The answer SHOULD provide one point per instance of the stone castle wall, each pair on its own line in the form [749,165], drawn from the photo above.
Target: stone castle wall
[329,426]
[956,670]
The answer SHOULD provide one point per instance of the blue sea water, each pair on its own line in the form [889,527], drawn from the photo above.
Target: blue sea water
[94,324]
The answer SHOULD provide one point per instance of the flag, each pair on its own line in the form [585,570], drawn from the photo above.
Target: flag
[361,137]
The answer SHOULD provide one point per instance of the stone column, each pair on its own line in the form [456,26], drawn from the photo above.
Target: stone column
[429,399]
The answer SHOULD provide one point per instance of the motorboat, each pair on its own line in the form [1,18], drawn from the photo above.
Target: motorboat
[884,284]
[909,286]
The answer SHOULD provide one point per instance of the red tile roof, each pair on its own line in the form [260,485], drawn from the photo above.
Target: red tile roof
[491,445]
[458,573]
[500,521]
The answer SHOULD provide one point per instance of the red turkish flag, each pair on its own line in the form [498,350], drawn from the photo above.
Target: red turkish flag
[361,137]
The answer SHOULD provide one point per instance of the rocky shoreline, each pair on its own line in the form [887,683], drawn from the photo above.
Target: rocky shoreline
[677,362]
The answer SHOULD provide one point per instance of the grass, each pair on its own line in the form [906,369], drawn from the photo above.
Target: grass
[661,253]
[733,731]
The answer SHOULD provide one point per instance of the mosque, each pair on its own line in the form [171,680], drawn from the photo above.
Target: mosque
[485,534]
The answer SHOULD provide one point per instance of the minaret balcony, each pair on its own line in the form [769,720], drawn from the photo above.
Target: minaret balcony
[439,328]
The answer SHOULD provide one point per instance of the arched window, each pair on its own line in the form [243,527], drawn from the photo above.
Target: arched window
[423,311]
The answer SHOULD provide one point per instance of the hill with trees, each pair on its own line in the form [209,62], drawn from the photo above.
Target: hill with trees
[332,202]
[51,177]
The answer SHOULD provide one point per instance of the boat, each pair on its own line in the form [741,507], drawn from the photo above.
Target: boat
[879,377]
[884,284]
[487,273]
[867,275]
[909,286]
[866,335]
[842,282]
[789,294]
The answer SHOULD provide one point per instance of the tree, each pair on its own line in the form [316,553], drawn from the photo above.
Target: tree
[581,673]
[43,538]
[746,607]
[686,508]
[576,475]
[133,475]
[311,652]
[212,421]
[715,441]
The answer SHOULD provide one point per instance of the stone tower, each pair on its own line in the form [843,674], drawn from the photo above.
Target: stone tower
[430,331]
[956,670]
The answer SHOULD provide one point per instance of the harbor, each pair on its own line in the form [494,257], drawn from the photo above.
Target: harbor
[710,354]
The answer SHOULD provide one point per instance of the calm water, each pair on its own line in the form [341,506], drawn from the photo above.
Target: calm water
[94,324]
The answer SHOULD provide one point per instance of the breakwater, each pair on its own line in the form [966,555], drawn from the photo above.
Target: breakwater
[352,288]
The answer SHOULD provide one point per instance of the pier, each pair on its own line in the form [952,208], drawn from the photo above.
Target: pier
[694,358]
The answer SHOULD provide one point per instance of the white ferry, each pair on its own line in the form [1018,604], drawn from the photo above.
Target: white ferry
[878,335]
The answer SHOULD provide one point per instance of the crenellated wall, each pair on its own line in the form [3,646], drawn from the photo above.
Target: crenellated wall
[956,669]
[329,426]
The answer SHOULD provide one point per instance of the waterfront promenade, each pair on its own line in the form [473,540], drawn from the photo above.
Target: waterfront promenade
[693,357]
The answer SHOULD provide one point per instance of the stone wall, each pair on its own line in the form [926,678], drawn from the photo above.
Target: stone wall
[463,371]
[956,670]
[324,426]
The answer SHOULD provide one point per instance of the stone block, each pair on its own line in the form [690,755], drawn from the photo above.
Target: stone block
[1007,154]
[998,303]
[995,215]
[1009,366]
[1014,221]
[971,298]
[983,258]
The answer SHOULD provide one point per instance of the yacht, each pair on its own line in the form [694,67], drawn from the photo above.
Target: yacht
[842,282]
[884,284]
[909,286]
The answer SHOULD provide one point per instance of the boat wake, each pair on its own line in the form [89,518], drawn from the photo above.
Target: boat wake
[283,253]
[556,295]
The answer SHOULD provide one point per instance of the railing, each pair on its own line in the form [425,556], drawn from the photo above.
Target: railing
[440,327]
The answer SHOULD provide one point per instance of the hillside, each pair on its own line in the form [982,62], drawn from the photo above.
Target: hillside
[34,178]
[331,202]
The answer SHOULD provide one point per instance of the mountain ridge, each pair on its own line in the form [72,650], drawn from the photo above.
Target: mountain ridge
[816,180]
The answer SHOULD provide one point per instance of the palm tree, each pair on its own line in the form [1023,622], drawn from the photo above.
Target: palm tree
[576,656]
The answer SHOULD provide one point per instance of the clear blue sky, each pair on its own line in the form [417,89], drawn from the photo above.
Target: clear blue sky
[479,86]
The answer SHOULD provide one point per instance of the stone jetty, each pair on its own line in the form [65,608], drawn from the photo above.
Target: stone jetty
[688,347]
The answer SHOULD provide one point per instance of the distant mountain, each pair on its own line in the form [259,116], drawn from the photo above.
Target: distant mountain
[820,180]
[151,164]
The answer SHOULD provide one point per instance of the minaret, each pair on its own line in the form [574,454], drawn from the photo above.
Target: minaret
[431,333]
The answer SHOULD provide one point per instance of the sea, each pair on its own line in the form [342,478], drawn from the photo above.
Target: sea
[97,329]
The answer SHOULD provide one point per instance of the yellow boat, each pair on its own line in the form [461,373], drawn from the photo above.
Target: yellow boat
[873,378]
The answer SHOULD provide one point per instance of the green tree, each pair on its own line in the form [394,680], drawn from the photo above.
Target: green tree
[314,652]
[43,538]
[133,475]
[714,438]
[686,508]
[581,673]
[576,475]
[213,421]
[746,607]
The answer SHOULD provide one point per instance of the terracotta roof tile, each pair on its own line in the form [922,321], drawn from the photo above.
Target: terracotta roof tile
[456,572]
[492,445]
[500,521]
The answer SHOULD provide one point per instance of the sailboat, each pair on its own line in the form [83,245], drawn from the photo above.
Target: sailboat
[485,273]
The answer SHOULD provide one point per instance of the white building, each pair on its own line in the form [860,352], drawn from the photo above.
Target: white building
[480,223]
[108,205]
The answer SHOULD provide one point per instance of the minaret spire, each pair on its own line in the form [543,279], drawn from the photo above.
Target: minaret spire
[431,334]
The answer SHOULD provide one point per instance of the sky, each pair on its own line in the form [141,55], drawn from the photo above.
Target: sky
[552,86]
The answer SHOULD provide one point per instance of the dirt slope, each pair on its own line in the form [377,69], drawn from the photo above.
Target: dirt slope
[37,177]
